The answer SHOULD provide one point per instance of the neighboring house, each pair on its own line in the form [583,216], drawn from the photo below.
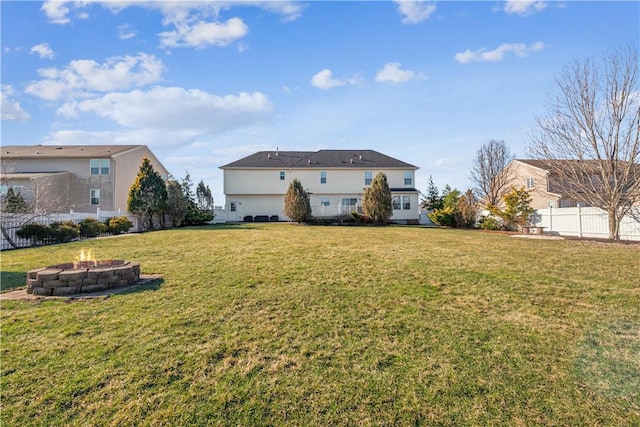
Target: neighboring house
[58,178]
[542,184]
[334,179]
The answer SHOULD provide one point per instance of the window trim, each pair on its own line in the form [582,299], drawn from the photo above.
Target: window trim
[396,202]
[323,177]
[368,177]
[325,201]
[408,179]
[282,175]
[531,183]
[92,196]
[101,166]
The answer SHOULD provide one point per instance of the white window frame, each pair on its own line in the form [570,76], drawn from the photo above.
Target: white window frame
[102,166]
[323,177]
[531,182]
[368,177]
[325,201]
[406,203]
[408,179]
[396,203]
[282,175]
[94,194]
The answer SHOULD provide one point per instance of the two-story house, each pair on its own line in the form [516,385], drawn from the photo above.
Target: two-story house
[54,178]
[334,179]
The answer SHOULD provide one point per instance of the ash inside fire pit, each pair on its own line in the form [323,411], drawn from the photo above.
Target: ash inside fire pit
[82,277]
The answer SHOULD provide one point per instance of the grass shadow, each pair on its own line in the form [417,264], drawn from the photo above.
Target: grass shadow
[12,279]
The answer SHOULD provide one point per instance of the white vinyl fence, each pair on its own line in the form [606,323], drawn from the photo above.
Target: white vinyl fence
[13,222]
[586,222]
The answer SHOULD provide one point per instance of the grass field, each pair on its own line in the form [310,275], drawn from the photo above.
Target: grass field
[294,325]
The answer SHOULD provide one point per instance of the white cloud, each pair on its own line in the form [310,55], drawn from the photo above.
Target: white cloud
[11,110]
[391,72]
[82,77]
[323,80]
[497,54]
[192,24]
[125,32]
[202,34]
[414,12]
[524,7]
[43,50]
[173,109]
[57,11]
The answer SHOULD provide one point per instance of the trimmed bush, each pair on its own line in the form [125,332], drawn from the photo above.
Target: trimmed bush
[91,227]
[65,231]
[36,233]
[118,224]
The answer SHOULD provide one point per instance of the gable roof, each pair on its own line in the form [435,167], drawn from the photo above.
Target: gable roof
[322,159]
[64,151]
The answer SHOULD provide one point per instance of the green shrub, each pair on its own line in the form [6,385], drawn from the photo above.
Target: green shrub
[36,233]
[118,224]
[65,231]
[91,227]
[490,223]
[444,217]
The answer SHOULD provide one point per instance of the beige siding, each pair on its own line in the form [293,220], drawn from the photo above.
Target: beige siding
[75,188]
[540,196]
[261,191]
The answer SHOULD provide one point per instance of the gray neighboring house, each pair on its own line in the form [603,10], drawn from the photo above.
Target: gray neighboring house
[59,178]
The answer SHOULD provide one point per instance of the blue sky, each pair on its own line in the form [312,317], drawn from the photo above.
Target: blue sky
[206,83]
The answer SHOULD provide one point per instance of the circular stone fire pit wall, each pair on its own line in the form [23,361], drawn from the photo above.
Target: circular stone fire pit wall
[82,277]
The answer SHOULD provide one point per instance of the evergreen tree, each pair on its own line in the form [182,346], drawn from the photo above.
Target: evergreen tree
[376,201]
[204,196]
[296,202]
[432,199]
[14,202]
[176,202]
[148,194]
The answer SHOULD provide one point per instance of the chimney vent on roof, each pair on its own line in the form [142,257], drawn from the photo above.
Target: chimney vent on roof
[309,161]
[276,151]
[268,156]
[360,155]
[351,161]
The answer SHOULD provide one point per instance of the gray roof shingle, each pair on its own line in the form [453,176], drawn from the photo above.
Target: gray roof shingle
[64,151]
[322,159]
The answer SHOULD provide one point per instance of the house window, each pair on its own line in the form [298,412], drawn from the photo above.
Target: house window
[326,201]
[99,166]
[368,177]
[395,201]
[323,177]
[95,197]
[281,175]
[232,206]
[406,203]
[530,183]
[407,178]
[349,201]
[17,189]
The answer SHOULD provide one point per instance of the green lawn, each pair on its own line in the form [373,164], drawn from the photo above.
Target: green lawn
[294,325]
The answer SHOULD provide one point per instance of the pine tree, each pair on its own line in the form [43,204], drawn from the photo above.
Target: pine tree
[432,199]
[148,194]
[14,202]
[517,211]
[376,201]
[204,196]
[296,202]
[176,202]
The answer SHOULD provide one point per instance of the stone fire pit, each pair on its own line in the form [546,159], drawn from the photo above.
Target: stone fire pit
[82,277]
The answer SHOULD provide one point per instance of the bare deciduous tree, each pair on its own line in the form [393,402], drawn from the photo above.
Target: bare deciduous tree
[590,137]
[489,172]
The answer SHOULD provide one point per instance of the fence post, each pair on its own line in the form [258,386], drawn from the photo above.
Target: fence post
[579,221]
[550,218]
